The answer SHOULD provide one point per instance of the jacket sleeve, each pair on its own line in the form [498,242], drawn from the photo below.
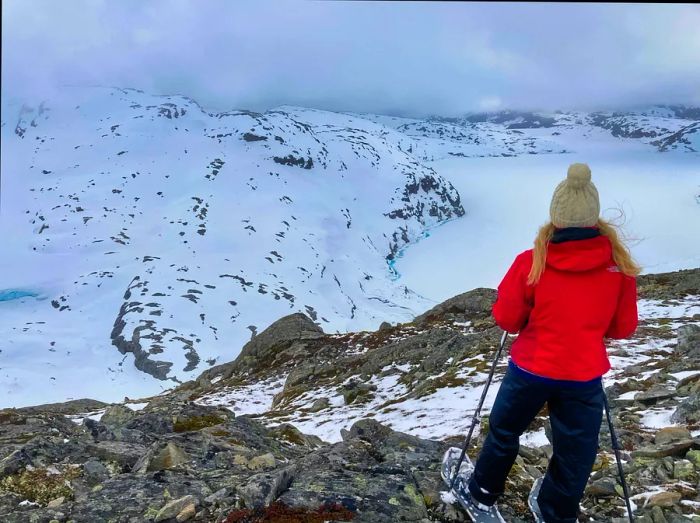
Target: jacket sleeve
[624,321]
[514,299]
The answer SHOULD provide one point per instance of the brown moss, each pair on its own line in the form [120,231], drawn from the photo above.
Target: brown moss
[219,433]
[197,423]
[40,485]
[602,463]
[448,380]
[386,406]
[483,324]
[287,395]
[8,416]
[290,434]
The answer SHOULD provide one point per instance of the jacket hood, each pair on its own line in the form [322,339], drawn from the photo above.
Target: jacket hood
[580,255]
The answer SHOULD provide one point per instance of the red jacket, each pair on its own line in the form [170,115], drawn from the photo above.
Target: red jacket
[581,298]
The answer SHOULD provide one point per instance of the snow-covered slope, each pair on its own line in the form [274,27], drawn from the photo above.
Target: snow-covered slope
[147,239]
[147,223]
[685,139]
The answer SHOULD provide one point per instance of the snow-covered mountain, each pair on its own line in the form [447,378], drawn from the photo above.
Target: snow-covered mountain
[178,231]
[511,133]
[147,239]
[685,139]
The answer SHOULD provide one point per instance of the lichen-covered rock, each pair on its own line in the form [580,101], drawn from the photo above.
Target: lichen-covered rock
[683,469]
[468,306]
[168,457]
[320,404]
[262,489]
[689,341]
[674,448]
[604,487]
[117,416]
[694,457]
[67,407]
[664,499]
[264,347]
[175,507]
[669,285]
[688,411]
[124,454]
[654,394]
[94,472]
[668,434]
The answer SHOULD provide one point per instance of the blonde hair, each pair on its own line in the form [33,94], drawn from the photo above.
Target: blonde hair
[621,254]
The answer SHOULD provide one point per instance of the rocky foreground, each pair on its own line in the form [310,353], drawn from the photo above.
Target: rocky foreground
[376,411]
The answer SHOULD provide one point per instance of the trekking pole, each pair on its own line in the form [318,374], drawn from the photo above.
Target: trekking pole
[478,408]
[616,448]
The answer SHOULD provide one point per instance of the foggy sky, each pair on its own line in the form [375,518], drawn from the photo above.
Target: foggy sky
[414,58]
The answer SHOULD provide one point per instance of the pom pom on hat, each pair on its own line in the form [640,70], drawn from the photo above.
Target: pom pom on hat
[575,201]
[578,176]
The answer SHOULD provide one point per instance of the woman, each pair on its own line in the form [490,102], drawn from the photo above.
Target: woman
[576,287]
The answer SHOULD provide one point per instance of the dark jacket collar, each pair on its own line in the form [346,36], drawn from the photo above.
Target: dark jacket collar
[574,233]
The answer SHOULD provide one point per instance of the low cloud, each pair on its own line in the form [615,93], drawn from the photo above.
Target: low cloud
[409,58]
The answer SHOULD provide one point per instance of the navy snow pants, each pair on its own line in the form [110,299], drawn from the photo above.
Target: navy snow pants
[575,415]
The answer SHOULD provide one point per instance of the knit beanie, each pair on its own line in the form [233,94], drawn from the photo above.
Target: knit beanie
[575,201]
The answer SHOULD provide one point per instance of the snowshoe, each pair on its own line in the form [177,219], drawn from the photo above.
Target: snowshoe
[477,512]
[449,465]
[532,500]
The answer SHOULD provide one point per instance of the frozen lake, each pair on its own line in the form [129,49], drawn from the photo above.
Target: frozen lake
[507,199]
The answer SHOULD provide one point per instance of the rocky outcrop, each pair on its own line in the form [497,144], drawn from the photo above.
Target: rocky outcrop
[68,407]
[469,306]
[687,139]
[209,466]
[284,342]
[125,344]
[669,285]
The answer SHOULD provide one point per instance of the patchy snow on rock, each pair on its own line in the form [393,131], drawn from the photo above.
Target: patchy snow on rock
[94,415]
[685,307]
[644,496]
[136,406]
[247,399]
[537,438]
[628,396]
[684,374]
[648,349]
[445,412]
[657,418]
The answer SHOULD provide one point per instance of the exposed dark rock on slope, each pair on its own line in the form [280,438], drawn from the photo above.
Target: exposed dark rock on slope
[687,139]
